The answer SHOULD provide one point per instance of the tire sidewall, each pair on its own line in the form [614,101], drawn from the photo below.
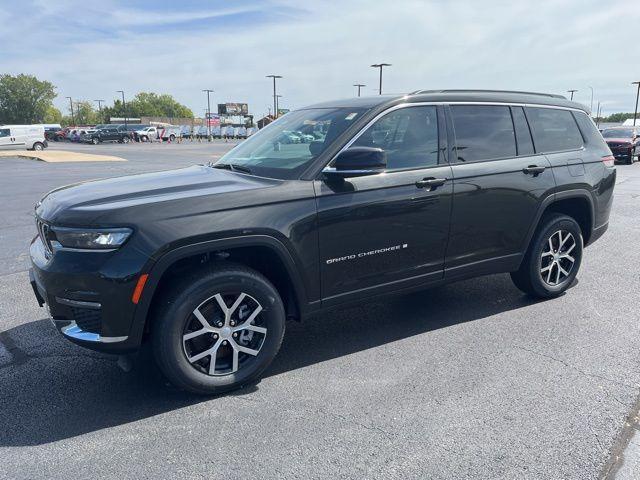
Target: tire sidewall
[552,226]
[168,340]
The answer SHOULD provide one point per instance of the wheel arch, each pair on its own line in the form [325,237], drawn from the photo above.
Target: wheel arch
[578,204]
[258,252]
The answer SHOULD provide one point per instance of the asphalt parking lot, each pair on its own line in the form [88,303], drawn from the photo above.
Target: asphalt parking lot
[470,380]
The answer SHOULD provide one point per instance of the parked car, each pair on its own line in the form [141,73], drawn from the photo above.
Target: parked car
[405,192]
[108,134]
[20,137]
[146,134]
[624,142]
[169,133]
[50,131]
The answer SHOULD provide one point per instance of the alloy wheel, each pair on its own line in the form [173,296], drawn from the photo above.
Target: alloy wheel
[556,262]
[224,333]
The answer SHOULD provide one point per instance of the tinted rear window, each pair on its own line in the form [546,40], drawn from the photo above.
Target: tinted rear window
[553,129]
[483,132]
[590,132]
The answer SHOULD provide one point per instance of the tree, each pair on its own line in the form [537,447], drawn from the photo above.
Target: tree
[24,99]
[53,115]
[618,117]
[147,104]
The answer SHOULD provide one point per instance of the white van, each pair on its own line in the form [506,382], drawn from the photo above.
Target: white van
[19,137]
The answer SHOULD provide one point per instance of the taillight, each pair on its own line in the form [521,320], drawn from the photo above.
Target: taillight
[609,161]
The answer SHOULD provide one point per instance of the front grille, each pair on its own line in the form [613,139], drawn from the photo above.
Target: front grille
[88,320]
[45,235]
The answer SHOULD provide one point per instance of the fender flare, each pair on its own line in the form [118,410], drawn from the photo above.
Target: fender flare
[564,195]
[160,266]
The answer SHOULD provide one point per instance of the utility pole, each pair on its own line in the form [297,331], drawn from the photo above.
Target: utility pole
[73,121]
[571,92]
[100,108]
[359,85]
[124,108]
[275,98]
[380,66]
[208,111]
[635,112]
[591,107]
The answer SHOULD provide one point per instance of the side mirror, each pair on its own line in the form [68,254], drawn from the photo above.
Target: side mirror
[358,162]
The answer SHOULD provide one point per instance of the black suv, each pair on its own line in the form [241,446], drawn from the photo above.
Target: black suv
[108,134]
[395,193]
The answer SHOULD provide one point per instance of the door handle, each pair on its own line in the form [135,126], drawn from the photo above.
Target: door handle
[430,183]
[533,170]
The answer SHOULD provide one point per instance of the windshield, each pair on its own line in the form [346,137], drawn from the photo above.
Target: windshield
[287,146]
[618,133]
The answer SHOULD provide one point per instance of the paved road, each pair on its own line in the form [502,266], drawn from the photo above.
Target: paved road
[471,380]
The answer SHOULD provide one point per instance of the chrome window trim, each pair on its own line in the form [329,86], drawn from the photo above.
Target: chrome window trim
[422,104]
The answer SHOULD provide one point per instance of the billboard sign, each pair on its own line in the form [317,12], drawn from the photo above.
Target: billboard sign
[213,121]
[233,109]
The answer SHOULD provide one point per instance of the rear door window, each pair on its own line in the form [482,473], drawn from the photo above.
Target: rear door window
[553,129]
[483,132]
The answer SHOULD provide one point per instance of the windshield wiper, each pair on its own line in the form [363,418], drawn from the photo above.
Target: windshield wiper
[230,166]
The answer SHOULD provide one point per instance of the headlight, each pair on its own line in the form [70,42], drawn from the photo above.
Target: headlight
[103,238]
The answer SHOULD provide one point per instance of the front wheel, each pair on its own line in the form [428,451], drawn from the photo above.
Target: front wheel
[553,259]
[95,141]
[38,147]
[125,139]
[218,330]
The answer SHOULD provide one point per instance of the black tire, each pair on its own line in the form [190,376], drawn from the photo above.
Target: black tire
[174,317]
[630,159]
[125,140]
[529,278]
[95,141]
[172,138]
[38,147]
[144,138]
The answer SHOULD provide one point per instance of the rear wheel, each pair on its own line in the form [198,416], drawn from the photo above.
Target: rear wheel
[553,259]
[95,141]
[172,138]
[38,146]
[125,139]
[218,330]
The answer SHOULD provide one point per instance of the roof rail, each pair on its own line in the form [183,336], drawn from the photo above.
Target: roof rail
[552,95]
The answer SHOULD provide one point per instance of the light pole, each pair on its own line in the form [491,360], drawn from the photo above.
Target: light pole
[278,97]
[598,115]
[124,108]
[380,66]
[275,98]
[571,92]
[208,111]
[73,121]
[635,112]
[591,107]
[359,85]
[100,108]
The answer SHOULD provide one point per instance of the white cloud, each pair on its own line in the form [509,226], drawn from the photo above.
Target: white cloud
[545,45]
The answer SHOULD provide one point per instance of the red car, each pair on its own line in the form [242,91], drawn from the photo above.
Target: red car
[624,142]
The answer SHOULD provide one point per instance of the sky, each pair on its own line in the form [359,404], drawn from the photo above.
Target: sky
[91,49]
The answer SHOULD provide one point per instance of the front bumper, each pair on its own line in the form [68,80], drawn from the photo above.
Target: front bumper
[88,296]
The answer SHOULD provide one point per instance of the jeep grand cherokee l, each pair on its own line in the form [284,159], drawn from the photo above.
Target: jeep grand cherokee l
[401,193]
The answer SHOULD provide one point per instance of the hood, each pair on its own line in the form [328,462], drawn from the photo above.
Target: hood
[84,203]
